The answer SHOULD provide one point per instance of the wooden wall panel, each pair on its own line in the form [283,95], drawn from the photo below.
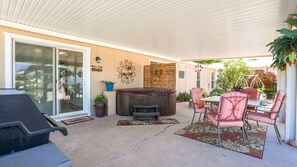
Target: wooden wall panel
[160,76]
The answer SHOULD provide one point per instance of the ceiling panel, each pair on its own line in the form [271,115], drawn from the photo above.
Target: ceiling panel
[184,30]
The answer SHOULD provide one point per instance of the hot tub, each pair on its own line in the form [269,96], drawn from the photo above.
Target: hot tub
[127,98]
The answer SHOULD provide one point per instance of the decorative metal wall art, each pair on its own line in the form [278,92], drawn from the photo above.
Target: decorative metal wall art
[126,72]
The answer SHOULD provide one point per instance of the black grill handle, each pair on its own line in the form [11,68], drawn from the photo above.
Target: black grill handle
[55,125]
[23,128]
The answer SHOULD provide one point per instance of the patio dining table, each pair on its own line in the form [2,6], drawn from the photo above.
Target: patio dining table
[216,99]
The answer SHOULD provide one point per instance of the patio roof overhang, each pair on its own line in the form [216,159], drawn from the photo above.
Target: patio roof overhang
[179,30]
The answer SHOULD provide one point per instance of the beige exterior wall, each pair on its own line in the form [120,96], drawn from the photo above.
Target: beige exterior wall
[110,59]
[205,78]
[189,80]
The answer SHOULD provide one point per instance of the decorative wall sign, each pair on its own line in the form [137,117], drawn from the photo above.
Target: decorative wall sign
[181,74]
[96,68]
[126,72]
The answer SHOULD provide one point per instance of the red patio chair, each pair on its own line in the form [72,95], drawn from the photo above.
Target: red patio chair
[231,113]
[253,94]
[271,116]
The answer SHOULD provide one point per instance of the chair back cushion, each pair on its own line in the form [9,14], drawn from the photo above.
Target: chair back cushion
[253,93]
[232,106]
[279,99]
[196,94]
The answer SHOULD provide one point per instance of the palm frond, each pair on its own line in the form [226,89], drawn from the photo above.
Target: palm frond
[288,33]
[292,22]
[293,14]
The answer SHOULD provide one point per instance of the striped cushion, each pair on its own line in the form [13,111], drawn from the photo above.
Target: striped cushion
[261,117]
[199,110]
[214,119]
[277,103]
[196,94]
[232,106]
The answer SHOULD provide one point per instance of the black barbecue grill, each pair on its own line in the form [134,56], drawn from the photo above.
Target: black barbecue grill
[22,125]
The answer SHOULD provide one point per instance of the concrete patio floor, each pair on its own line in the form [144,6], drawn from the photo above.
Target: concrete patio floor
[101,143]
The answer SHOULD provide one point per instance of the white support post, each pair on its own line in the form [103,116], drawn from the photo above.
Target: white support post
[290,131]
[281,85]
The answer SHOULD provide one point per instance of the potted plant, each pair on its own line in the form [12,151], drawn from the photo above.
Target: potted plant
[284,47]
[109,85]
[100,106]
[270,93]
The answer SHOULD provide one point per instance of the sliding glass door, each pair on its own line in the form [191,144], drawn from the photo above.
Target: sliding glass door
[52,77]
[70,81]
[34,74]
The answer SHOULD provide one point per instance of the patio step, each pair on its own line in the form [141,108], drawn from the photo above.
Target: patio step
[146,115]
[146,112]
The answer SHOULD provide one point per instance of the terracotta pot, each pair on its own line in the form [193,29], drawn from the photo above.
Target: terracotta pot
[99,110]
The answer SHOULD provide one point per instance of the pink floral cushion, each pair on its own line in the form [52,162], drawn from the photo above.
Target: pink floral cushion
[196,94]
[230,111]
[199,110]
[214,119]
[277,103]
[232,106]
[261,117]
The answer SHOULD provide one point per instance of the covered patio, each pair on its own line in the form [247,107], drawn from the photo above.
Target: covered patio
[62,54]
[101,143]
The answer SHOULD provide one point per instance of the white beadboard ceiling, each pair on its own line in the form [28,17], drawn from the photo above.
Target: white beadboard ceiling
[180,29]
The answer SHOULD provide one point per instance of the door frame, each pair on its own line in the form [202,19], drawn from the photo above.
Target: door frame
[9,66]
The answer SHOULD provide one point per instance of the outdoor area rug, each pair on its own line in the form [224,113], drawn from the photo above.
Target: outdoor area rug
[77,120]
[231,139]
[159,122]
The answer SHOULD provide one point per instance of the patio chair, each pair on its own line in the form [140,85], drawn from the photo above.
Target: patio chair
[231,113]
[271,116]
[198,105]
[253,94]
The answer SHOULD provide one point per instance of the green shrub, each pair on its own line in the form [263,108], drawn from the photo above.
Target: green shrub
[268,91]
[100,99]
[218,91]
[183,96]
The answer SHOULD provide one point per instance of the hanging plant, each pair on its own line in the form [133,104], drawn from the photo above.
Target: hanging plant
[284,47]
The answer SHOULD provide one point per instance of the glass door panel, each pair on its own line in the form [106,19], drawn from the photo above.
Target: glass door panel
[34,74]
[70,81]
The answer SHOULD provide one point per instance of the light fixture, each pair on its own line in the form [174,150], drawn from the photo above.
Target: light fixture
[98,59]
[198,67]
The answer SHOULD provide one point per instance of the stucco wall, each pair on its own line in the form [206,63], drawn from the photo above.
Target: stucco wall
[205,78]
[110,60]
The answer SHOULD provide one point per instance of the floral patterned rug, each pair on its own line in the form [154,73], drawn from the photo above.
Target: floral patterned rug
[159,122]
[231,139]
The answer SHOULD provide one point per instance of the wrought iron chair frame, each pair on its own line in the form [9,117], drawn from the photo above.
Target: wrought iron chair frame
[277,114]
[244,133]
